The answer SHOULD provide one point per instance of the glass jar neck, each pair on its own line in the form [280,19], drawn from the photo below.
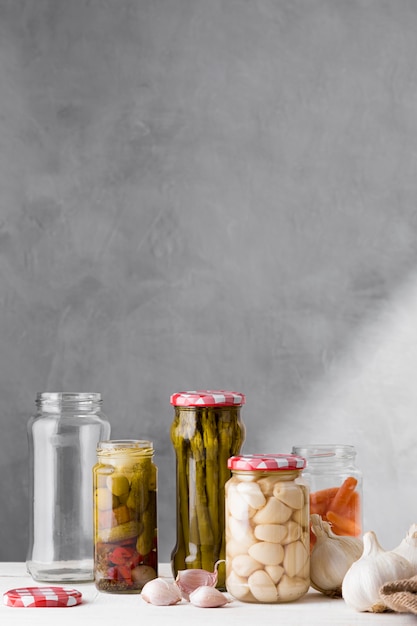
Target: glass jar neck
[278,474]
[62,402]
[324,455]
[125,447]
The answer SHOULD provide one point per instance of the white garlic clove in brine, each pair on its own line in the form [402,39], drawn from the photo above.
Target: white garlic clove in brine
[252,494]
[262,586]
[290,494]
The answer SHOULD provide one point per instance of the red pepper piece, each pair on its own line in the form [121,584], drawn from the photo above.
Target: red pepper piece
[126,573]
[120,555]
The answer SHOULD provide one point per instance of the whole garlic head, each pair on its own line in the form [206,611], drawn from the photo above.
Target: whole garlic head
[365,577]
[408,547]
[331,557]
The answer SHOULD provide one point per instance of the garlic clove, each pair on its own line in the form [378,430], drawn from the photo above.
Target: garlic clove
[207,597]
[160,592]
[274,511]
[365,577]
[262,586]
[188,580]
[290,494]
[252,494]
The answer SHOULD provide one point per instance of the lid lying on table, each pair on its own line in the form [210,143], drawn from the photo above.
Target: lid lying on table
[266,462]
[41,597]
[208,398]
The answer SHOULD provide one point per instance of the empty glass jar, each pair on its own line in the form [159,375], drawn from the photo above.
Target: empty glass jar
[63,436]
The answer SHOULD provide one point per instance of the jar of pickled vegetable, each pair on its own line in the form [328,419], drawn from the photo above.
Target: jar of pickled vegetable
[206,431]
[267,529]
[125,516]
[335,486]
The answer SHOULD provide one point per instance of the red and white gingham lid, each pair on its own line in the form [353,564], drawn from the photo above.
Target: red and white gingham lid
[41,597]
[208,397]
[266,462]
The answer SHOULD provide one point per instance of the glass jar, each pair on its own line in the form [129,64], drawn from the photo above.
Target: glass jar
[125,516]
[267,529]
[335,486]
[62,437]
[206,431]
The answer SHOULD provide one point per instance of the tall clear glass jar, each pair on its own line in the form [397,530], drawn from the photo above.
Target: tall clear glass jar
[206,431]
[62,437]
[125,516]
[336,486]
[267,529]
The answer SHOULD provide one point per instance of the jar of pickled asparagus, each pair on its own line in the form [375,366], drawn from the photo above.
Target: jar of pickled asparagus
[267,529]
[206,431]
[125,516]
[335,486]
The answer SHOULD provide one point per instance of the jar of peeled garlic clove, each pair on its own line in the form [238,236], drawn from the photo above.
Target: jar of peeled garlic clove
[267,528]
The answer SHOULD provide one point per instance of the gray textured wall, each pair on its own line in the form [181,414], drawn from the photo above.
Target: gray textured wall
[212,194]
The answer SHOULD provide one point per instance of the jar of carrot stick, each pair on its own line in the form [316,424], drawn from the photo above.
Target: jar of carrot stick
[335,486]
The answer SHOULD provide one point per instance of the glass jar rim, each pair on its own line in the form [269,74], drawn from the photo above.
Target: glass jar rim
[323,452]
[114,445]
[67,396]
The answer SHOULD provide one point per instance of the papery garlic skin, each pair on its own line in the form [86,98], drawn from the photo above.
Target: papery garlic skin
[408,547]
[331,557]
[188,580]
[160,592]
[207,597]
[361,584]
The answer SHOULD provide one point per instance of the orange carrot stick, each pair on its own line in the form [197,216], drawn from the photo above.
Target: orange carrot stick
[342,525]
[343,494]
[320,500]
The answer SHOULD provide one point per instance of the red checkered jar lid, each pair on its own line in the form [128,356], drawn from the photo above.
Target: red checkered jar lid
[41,597]
[208,398]
[266,462]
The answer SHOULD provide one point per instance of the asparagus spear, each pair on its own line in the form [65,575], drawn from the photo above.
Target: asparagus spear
[182,453]
[201,503]
[209,428]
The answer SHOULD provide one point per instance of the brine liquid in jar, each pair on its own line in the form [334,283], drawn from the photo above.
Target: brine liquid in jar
[125,516]
[335,484]
[267,529]
[206,431]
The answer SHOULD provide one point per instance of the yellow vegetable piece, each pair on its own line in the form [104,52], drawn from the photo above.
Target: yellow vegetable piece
[118,484]
[105,499]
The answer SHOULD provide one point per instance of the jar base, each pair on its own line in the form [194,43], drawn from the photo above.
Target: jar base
[61,571]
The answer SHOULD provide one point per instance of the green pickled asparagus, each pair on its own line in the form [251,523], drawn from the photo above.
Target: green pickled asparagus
[205,530]
[211,445]
[203,438]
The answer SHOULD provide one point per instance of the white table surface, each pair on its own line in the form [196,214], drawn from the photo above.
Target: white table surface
[130,610]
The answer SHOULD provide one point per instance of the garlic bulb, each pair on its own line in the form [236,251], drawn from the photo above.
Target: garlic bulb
[361,584]
[161,592]
[408,547]
[331,557]
[207,597]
